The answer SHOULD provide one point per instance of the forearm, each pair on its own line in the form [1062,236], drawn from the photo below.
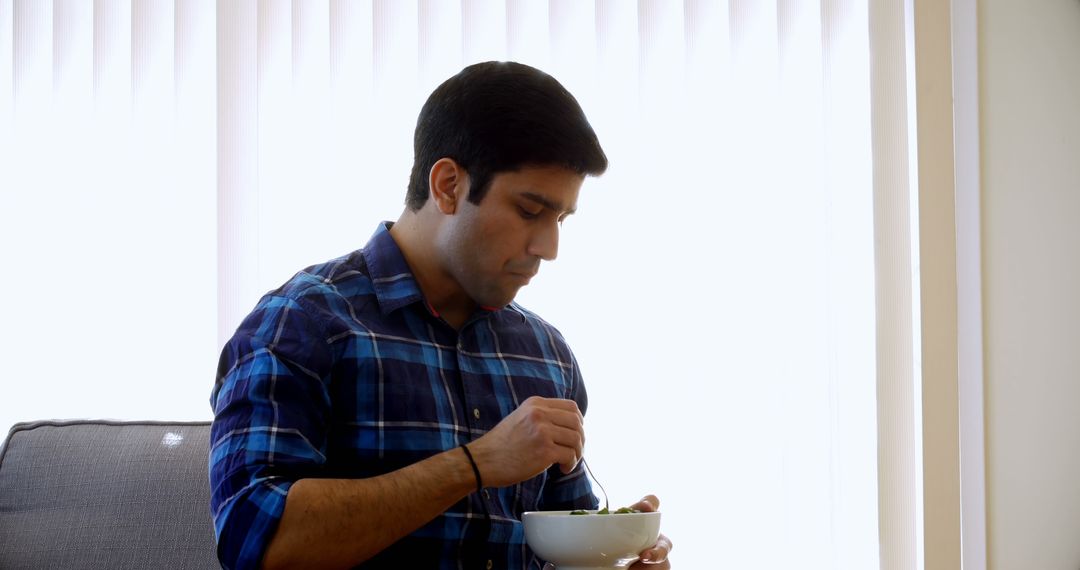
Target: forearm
[339,523]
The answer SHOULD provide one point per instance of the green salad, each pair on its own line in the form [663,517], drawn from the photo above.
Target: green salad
[605,511]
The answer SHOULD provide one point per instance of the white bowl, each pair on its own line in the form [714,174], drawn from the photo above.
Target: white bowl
[590,542]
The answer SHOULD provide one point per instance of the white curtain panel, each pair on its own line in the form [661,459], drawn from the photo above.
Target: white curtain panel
[107,208]
[165,163]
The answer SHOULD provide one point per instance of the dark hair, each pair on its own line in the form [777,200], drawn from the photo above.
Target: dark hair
[498,117]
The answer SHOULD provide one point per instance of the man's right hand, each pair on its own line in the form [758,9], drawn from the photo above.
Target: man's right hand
[537,435]
[324,517]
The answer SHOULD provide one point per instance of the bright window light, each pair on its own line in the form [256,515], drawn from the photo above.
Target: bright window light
[165,164]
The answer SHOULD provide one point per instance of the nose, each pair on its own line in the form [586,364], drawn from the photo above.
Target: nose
[544,243]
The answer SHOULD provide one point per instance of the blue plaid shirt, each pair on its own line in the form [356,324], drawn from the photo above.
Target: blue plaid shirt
[346,371]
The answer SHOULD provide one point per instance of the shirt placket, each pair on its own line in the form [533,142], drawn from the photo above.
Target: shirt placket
[482,413]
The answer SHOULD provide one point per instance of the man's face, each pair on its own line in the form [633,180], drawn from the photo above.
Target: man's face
[492,249]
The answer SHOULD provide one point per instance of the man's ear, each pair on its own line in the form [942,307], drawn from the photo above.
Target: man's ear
[448,185]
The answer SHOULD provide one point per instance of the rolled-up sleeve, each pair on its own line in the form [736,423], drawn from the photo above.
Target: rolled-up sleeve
[271,410]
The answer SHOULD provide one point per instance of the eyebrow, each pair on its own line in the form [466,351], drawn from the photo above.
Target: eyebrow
[547,203]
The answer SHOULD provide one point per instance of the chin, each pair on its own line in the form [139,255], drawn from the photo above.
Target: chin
[498,301]
[497,292]
[498,304]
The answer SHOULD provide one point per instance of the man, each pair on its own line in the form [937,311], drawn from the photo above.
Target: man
[394,408]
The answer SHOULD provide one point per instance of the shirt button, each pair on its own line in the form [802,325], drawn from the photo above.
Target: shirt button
[489,565]
[476,413]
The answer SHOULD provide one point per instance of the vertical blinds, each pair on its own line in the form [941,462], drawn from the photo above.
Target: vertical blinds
[166,163]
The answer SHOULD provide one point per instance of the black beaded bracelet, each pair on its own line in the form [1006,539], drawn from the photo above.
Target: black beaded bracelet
[476,470]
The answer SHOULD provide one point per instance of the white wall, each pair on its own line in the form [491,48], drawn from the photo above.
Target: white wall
[1030,128]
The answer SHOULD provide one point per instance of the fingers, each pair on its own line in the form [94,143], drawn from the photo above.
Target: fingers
[571,447]
[568,437]
[569,419]
[564,427]
[659,552]
[562,403]
[656,557]
[558,411]
[542,432]
[563,411]
[567,467]
[647,504]
[643,564]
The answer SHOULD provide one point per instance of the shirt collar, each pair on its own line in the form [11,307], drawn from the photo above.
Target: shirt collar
[393,281]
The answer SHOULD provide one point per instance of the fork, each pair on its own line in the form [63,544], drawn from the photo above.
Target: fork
[598,484]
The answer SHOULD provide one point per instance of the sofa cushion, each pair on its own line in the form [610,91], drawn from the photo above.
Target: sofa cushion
[103,494]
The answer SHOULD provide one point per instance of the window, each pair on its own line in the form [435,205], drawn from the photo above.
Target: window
[167,163]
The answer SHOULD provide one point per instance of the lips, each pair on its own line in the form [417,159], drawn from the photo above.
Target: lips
[524,269]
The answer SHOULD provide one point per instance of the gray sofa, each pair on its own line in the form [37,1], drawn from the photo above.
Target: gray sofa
[103,494]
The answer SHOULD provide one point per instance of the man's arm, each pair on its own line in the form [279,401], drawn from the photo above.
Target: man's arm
[269,401]
[338,523]
[332,523]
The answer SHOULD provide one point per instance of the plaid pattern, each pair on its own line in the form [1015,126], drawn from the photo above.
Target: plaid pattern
[345,371]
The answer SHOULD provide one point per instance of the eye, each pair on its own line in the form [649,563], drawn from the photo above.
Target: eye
[527,214]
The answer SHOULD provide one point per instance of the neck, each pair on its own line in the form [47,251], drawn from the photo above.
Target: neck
[416,240]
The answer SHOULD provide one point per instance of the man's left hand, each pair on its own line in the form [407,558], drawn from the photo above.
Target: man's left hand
[654,558]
